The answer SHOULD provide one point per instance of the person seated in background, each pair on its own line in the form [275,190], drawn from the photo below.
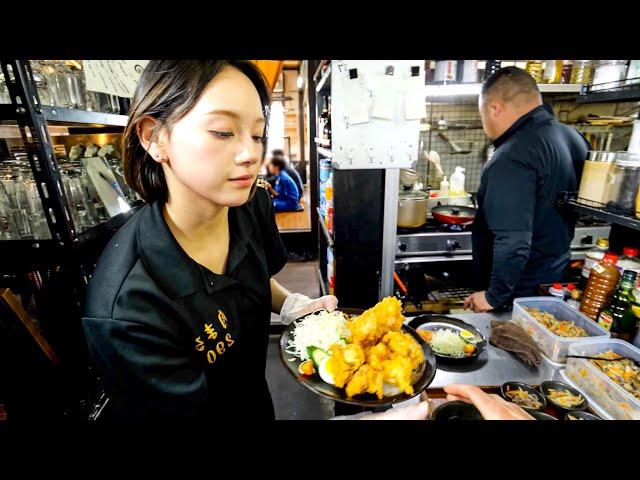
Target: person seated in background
[285,194]
[292,172]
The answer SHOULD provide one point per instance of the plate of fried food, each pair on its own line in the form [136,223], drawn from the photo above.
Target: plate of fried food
[369,358]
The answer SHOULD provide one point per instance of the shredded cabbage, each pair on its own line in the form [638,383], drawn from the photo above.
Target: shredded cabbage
[321,329]
[447,342]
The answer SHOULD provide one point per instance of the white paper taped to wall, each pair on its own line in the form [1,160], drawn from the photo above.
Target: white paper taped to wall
[114,77]
[384,95]
[414,99]
[356,101]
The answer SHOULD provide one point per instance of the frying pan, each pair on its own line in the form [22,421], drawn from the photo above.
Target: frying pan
[453,214]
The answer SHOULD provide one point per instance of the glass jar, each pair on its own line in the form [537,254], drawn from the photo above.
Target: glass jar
[595,175]
[40,81]
[4,91]
[567,69]
[446,71]
[552,71]
[623,184]
[76,86]
[582,72]
[534,68]
[608,74]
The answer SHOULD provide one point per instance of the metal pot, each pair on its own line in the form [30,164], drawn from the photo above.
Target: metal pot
[412,209]
[453,214]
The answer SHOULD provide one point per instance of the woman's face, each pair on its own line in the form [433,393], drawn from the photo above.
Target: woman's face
[215,150]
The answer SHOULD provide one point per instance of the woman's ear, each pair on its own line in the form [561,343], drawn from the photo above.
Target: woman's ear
[148,130]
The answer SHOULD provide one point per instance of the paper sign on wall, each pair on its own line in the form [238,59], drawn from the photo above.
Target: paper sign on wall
[384,94]
[414,97]
[114,77]
[356,101]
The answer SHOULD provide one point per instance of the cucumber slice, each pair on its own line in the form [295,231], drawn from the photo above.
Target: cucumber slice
[318,355]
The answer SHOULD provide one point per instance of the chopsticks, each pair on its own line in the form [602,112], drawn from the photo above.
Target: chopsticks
[604,359]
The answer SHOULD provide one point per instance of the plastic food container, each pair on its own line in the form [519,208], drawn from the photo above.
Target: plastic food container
[610,396]
[552,345]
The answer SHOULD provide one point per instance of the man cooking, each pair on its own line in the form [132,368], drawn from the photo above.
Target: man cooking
[520,239]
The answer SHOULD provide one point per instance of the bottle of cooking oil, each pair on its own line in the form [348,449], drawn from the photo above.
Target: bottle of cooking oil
[534,68]
[552,71]
[602,282]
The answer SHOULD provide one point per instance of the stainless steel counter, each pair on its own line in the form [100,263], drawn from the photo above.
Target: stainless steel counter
[494,366]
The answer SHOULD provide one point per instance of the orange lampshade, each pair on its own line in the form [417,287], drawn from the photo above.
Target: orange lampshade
[271,70]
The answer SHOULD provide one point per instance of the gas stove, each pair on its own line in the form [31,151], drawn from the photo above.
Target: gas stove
[436,242]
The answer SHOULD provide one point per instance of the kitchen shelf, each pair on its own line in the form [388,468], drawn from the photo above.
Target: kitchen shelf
[621,91]
[323,285]
[108,227]
[323,227]
[325,80]
[569,201]
[325,152]
[68,116]
[322,142]
[82,117]
[455,89]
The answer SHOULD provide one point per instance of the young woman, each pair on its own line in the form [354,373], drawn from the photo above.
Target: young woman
[178,308]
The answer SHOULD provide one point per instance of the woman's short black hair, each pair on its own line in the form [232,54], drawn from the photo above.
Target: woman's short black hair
[168,90]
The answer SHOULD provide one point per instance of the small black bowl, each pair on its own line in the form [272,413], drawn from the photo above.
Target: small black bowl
[528,388]
[545,386]
[456,410]
[581,415]
[541,416]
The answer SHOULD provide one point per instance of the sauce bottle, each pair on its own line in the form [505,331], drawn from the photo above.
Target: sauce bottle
[602,282]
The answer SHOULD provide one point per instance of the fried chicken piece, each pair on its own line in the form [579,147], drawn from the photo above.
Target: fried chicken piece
[398,371]
[404,345]
[344,361]
[368,328]
[366,379]
[377,354]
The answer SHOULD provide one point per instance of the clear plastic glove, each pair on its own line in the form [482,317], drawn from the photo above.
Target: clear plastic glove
[414,409]
[419,411]
[297,305]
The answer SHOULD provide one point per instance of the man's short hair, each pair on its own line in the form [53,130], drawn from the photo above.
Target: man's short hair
[277,152]
[278,162]
[511,84]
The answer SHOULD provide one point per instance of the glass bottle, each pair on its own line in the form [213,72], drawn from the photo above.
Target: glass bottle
[612,316]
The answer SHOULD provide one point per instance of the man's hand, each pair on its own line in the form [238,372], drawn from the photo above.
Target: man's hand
[492,407]
[270,189]
[477,302]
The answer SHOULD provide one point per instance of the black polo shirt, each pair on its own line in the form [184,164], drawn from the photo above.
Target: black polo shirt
[170,338]
[520,238]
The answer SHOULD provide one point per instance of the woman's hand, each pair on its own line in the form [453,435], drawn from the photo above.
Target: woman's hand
[418,411]
[492,407]
[297,305]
